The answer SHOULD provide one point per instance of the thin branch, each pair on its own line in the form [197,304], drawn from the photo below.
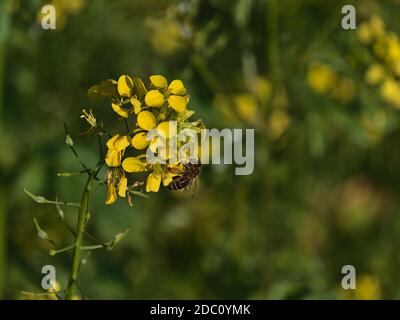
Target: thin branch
[43,200]
[74,151]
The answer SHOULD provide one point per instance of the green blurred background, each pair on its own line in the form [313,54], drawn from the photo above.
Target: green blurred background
[324,103]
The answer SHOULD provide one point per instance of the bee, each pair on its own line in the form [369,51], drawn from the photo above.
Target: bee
[186,178]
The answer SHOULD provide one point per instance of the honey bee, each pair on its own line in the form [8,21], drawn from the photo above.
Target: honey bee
[185,178]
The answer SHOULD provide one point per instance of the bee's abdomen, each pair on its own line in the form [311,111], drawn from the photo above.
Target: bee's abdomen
[179,183]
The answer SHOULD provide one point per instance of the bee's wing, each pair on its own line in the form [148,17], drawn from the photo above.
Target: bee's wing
[175,171]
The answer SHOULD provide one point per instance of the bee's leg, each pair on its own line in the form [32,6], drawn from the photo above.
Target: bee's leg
[194,188]
[187,188]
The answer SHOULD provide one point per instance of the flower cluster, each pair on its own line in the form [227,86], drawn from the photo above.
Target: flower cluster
[322,78]
[162,108]
[385,47]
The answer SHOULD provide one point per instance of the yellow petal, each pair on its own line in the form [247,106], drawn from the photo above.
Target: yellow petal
[155,144]
[110,142]
[133,164]
[159,81]
[146,120]
[123,113]
[122,185]
[139,141]
[176,87]
[154,98]
[167,129]
[111,194]
[177,103]
[168,177]
[153,182]
[122,143]
[166,181]
[136,105]
[113,158]
[125,86]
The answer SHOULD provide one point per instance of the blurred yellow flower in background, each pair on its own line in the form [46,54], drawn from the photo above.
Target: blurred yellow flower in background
[262,89]
[375,74]
[368,288]
[390,91]
[344,90]
[374,125]
[246,106]
[278,122]
[166,36]
[321,77]
[371,29]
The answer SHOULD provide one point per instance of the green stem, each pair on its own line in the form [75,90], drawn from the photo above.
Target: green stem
[5,22]
[80,229]
[273,40]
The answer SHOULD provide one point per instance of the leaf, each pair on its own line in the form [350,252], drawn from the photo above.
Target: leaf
[94,92]
[68,174]
[41,199]
[106,88]
[185,115]
[68,140]
[38,199]
[138,193]
[139,86]
[117,238]
[40,232]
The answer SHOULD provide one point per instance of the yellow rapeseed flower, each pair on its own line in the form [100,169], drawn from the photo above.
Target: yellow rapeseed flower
[111,196]
[122,185]
[137,104]
[153,182]
[149,108]
[133,164]
[125,86]
[159,81]
[174,94]
[154,98]
[119,110]
[146,120]
[116,147]
[139,141]
[167,129]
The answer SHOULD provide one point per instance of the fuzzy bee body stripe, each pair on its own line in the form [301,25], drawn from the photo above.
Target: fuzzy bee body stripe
[182,181]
